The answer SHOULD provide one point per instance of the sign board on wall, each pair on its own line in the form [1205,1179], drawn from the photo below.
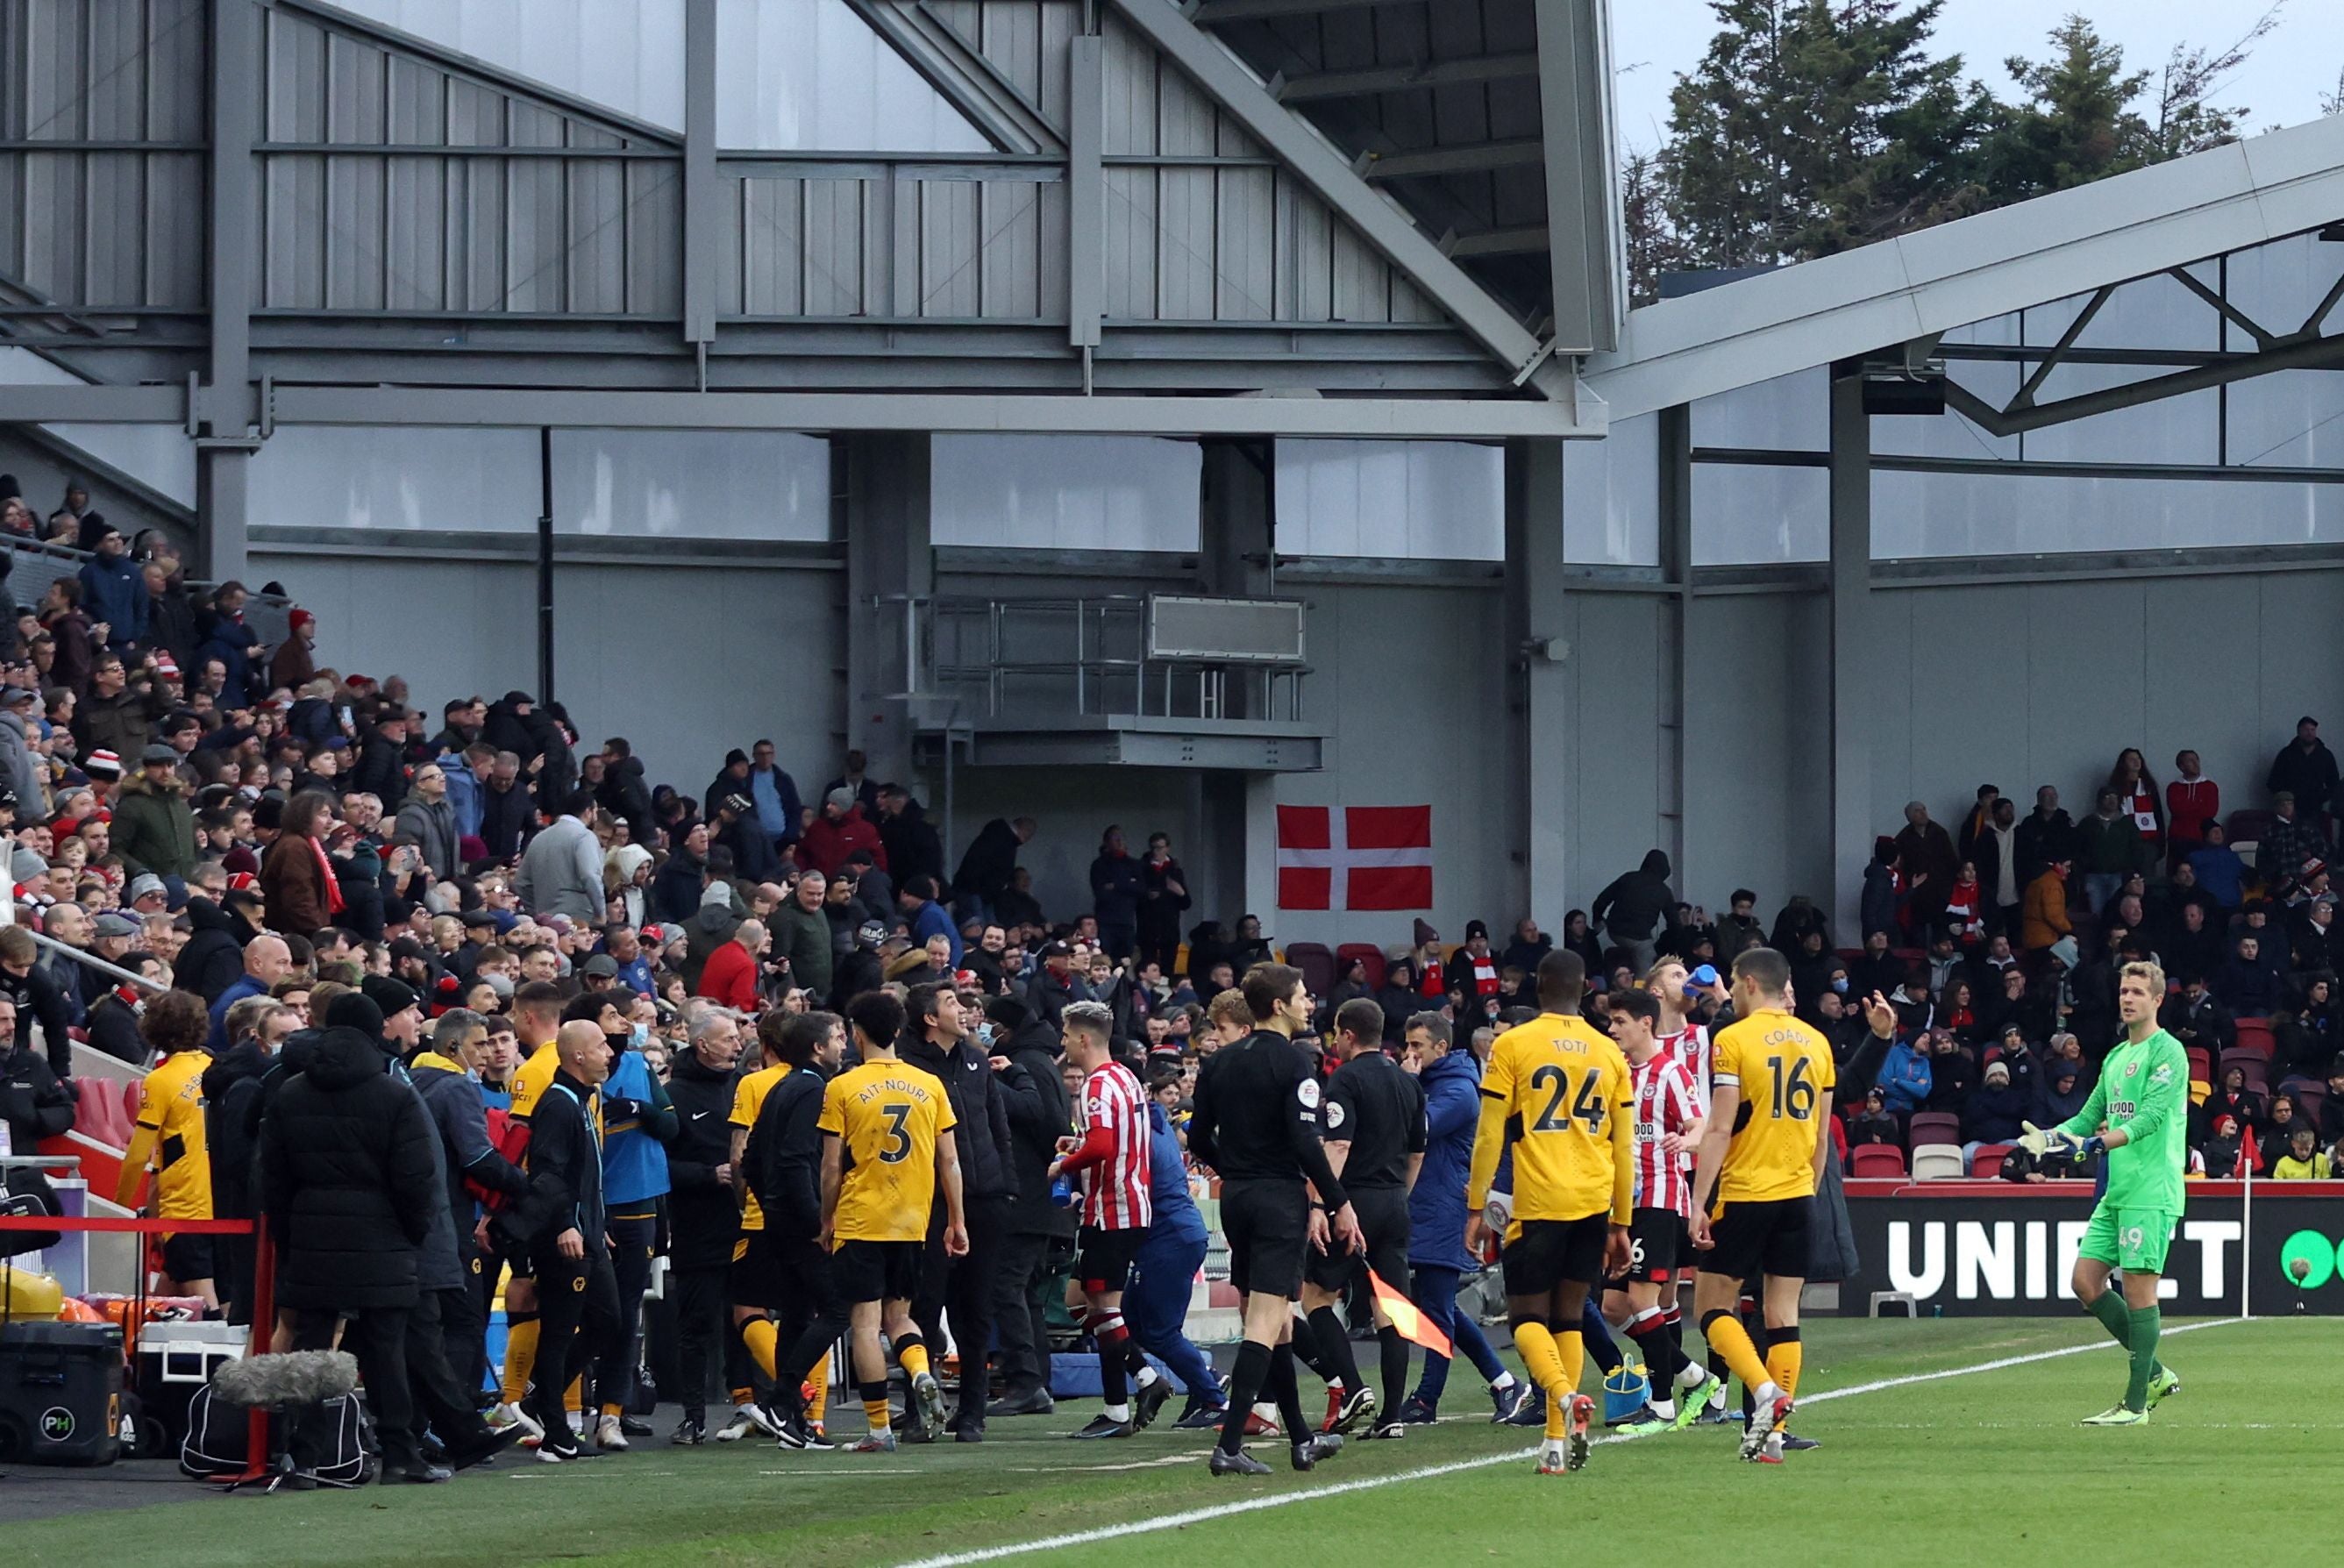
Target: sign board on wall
[2009,1251]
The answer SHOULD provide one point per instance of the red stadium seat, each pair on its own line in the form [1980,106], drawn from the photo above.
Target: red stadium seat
[1317,961]
[103,1112]
[2255,1035]
[1879,1159]
[1929,1127]
[1986,1163]
[1367,953]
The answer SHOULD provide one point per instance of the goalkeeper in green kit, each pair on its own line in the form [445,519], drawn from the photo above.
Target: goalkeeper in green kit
[2138,1115]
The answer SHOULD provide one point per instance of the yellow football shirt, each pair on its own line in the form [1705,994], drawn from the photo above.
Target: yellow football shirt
[1559,1090]
[1783,1071]
[747,1101]
[889,1115]
[532,1078]
[171,1136]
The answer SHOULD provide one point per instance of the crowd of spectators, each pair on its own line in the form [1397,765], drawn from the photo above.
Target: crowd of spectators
[302,875]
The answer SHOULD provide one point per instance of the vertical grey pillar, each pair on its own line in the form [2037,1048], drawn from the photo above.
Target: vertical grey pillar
[889,568]
[1085,191]
[1676,797]
[702,196]
[1537,653]
[1851,594]
[1237,544]
[223,409]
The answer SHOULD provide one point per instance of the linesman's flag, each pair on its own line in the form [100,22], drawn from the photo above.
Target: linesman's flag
[1409,1318]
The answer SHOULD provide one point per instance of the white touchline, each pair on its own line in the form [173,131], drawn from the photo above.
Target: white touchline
[1483,1462]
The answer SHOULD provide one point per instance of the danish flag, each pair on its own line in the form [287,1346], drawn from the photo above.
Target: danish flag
[1386,857]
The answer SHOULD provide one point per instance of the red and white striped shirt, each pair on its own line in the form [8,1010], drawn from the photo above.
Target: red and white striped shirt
[1690,1048]
[1112,1160]
[1664,1104]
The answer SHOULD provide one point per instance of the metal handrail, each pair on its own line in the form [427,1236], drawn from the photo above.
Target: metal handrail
[92,961]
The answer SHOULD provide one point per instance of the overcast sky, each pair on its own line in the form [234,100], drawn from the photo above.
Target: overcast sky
[1653,41]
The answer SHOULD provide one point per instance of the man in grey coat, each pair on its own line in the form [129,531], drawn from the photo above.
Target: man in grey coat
[428,817]
[561,869]
[19,769]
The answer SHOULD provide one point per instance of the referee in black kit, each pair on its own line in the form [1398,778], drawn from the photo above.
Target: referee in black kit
[1373,1124]
[1257,1124]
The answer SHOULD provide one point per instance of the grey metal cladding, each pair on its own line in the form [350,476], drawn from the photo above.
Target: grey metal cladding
[113,216]
[361,213]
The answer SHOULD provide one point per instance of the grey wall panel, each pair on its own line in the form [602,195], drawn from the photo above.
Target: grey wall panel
[952,239]
[1071,810]
[654,265]
[1749,777]
[740,654]
[1009,260]
[837,236]
[1610,797]
[599,218]
[1131,195]
[2087,669]
[1185,280]
[1245,244]
[1391,667]
[476,635]
[415,251]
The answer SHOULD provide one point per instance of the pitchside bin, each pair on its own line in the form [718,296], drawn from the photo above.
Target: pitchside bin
[60,1392]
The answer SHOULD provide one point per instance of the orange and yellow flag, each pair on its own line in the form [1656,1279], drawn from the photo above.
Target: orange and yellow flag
[1409,1318]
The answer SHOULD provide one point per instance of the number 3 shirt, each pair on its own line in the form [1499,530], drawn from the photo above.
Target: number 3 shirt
[890,1114]
[1558,1090]
[1783,1070]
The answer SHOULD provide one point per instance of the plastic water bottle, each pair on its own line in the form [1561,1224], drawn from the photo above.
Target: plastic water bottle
[1062,1191]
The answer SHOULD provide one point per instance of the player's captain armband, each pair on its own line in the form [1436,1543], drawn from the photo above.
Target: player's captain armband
[1733,1078]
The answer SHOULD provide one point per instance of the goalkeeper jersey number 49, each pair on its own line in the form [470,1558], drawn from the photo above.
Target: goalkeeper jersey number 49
[2145,1089]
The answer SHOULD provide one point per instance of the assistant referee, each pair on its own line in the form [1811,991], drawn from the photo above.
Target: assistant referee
[1257,1123]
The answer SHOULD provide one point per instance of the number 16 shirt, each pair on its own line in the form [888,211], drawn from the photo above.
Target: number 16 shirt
[890,1114]
[1783,1070]
[1559,1090]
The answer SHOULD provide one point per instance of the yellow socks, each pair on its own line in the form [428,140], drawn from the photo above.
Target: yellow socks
[520,1356]
[1727,1337]
[1782,1359]
[817,1389]
[1572,1348]
[915,1359]
[761,1338]
[1543,1361]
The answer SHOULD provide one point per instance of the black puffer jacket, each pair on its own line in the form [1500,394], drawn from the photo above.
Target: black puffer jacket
[982,1136]
[704,1212]
[350,1180]
[1038,1118]
[213,959]
[783,1156]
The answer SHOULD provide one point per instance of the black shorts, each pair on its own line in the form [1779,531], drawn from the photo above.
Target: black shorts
[1551,1252]
[1383,1221]
[755,1278]
[186,1256]
[1268,1227]
[1662,1246]
[1106,1257]
[1767,1238]
[876,1270]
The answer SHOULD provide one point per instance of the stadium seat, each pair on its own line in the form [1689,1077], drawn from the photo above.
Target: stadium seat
[1937,1162]
[1933,1127]
[2308,1098]
[102,1112]
[2247,828]
[2255,1035]
[1985,1164]
[1367,953]
[2252,1063]
[2201,1065]
[1317,961]
[1879,1159]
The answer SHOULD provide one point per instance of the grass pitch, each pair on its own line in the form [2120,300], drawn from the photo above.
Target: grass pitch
[1979,1467]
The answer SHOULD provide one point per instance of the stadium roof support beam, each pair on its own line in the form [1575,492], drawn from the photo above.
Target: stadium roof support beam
[1208,12]
[1849,585]
[967,80]
[1466,158]
[1332,179]
[1538,752]
[221,410]
[2023,415]
[1366,83]
[1501,242]
[1586,261]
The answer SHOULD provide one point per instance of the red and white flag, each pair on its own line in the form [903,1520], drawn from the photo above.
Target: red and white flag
[1385,857]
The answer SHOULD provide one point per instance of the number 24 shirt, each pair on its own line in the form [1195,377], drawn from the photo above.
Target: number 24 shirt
[889,1115]
[1559,1090]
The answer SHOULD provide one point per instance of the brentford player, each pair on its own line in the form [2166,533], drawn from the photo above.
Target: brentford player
[1678,1033]
[1669,1125]
[1111,1157]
